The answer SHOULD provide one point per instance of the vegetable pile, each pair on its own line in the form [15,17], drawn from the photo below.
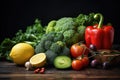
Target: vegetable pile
[66,31]
[64,43]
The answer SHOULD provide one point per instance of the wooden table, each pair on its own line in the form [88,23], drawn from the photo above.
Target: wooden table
[9,71]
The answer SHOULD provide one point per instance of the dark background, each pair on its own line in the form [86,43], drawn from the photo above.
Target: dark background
[18,14]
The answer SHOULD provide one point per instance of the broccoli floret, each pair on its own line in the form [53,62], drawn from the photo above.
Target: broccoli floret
[64,24]
[50,27]
[55,48]
[48,44]
[50,56]
[53,36]
[71,37]
[65,51]
[49,41]
[49,36]
[60,43]
[39,48]
[58,36]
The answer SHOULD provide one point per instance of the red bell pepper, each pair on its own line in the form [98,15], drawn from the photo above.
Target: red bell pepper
[99,35]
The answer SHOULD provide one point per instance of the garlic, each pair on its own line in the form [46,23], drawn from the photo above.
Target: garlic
[28,65]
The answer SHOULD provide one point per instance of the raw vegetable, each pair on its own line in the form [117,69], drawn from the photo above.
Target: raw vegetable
[32,36]
[49,41]
[73,29]
[50,56]
[50,26]
[28,65]
[80,63]
[78,49]
[62,62]
[67,29]
[85,61]
[77,64]
[99,35]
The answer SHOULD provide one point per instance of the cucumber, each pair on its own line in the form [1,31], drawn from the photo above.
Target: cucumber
[62,62]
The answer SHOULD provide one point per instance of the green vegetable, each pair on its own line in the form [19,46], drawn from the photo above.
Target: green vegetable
[48,44]
[50,41]
[50,26]
[62,62]
[64,24]
[85,20]
[57,47]
[65,51]
[68,30]
[32,35]
[50,56]
[81,31]
[72,29]
[71,37]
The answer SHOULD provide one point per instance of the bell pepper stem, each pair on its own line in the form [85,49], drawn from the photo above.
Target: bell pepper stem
[101,19]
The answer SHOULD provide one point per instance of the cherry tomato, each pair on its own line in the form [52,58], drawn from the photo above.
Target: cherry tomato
[78,49]
[85,61]
[77,64]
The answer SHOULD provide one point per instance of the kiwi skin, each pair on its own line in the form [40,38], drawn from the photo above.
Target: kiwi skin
[62,62]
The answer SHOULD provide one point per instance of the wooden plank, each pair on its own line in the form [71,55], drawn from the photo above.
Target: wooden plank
[57,75]
[12,71]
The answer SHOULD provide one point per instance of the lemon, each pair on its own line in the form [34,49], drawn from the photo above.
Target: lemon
[21,53]
[38,60]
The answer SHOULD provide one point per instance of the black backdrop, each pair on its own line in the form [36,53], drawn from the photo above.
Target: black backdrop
[17,14]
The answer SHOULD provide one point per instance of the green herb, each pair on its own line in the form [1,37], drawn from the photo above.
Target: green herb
[32,35]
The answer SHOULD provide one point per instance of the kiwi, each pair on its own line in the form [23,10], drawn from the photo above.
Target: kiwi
[62,62]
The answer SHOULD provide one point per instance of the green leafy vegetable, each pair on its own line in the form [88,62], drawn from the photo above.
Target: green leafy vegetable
[32,35]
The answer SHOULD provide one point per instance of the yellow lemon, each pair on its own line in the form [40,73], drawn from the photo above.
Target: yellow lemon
[38,60]
[21,52]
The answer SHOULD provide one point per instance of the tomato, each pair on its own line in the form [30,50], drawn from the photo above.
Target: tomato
[77,64]
[85,61]
[78,49]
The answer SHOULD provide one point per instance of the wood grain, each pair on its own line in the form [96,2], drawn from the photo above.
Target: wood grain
[10,71]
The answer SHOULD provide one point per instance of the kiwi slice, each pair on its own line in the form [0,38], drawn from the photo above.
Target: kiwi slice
[62,62]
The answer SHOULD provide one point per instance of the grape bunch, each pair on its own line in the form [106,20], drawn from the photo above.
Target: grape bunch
[94,62]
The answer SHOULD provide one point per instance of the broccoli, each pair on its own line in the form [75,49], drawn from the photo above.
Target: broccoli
[56,48]
[71,37]
[65,51]
[50,56]
[50,41]
[65,23]
[40,48]
[66,28]
[60,43]
[72,29]
[50,26]
[48,44]
[58,36]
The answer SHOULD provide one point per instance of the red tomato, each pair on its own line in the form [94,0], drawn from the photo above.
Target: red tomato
[77,50]
[77,64]
[85,61]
